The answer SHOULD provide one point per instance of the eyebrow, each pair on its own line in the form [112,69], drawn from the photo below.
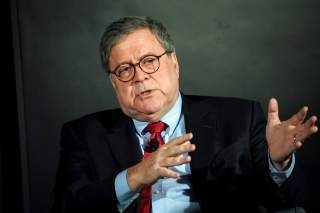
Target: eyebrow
[139,59]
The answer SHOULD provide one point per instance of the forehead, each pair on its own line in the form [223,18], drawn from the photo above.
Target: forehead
[135,45]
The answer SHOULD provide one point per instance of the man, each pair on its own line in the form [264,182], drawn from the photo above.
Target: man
[169,152]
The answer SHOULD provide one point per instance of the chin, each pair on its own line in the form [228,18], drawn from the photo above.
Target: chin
[146,113]
[150,110]
[149,106]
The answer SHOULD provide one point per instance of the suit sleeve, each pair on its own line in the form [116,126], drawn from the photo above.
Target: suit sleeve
[76,188]
[292,192]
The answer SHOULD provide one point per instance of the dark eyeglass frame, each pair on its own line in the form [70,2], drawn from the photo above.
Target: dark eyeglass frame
[139,64]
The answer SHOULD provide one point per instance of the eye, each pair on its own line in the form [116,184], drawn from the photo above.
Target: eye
[149,60]
[124,71]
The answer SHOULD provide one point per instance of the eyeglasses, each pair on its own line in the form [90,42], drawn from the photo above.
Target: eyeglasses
[148,64]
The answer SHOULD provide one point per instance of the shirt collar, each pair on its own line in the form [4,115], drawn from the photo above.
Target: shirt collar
[171,118]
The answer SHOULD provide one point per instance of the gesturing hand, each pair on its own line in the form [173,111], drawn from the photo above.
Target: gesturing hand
[156,165]
[284,137]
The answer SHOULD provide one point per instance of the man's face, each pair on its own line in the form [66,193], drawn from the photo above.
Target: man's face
[146,97]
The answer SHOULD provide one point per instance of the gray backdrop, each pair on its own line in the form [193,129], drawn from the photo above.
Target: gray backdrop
[252,49]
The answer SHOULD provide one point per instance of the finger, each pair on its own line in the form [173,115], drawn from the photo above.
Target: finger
[298,144]
[304,131]
[180,140]
[307,133]
[310,122]
[180,149]
[299,117]
[176,161]
[308,128]
[165,172]
[273,112]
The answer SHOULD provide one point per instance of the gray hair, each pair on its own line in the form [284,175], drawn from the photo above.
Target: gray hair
[126,25]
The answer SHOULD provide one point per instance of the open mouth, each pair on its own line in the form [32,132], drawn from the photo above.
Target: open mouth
[145,93]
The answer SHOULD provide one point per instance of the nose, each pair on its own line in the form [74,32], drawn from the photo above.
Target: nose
[140,75]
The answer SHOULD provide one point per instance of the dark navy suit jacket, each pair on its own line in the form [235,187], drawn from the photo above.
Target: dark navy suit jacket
[229,169]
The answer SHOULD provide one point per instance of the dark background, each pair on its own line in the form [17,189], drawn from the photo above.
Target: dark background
[252,49]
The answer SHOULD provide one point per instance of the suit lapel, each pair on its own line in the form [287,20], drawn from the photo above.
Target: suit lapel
[204,126]
[124,143]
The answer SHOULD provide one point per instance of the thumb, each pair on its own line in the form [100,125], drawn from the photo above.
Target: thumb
[273,112]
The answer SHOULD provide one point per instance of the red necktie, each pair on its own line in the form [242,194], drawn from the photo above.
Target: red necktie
[154,141]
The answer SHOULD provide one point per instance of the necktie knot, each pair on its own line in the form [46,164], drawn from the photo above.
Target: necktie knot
[156,127]
[155,140]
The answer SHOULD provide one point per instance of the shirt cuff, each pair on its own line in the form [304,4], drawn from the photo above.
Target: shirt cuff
[279,177]
[124,194]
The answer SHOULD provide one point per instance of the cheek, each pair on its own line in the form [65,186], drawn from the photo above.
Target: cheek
[170,82]
[124,95]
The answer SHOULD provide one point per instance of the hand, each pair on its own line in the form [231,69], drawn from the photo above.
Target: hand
[156,165]
[285,137]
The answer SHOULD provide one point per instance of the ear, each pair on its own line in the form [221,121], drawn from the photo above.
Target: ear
[175,62]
